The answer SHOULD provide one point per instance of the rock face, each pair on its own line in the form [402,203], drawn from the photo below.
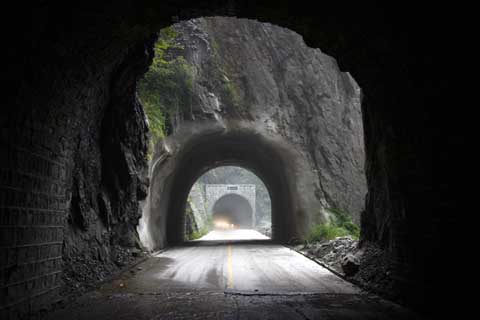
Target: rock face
[264,81]
[108,179]
[83,162]
[350,265]
[334,253]
[266,75]
[196,202]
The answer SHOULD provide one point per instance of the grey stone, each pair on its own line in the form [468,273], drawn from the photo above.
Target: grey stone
[264,80]
[288,89]
[350,264]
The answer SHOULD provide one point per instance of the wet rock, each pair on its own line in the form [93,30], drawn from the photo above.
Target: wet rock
[136,252]
[350,265]
[375,270]
[333,252]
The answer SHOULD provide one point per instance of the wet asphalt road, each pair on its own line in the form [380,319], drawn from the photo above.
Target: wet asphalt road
[227,279]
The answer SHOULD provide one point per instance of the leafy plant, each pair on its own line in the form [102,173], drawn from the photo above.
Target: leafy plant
[166,89]
[325,231]
[340,225]
[198,234]
[221,75]
[344,220]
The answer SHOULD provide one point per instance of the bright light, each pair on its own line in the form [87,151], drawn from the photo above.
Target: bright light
[222,224]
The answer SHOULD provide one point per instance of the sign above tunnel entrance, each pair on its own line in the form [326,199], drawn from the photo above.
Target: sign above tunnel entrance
[214,192]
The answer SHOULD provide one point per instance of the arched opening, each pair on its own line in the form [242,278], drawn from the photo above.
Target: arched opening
[228,199]
[80,141]
[233,210]
[268,159]
[228,109]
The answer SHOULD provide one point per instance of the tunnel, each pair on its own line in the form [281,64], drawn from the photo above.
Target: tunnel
[209,148]
[74,141]
[233,209]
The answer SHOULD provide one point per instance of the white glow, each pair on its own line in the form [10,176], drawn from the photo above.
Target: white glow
[235,234]
[223,224]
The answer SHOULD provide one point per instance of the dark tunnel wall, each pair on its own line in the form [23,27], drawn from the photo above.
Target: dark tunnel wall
[69,63]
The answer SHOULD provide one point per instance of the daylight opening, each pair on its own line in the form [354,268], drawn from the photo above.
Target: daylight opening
[228,203]
[224,92]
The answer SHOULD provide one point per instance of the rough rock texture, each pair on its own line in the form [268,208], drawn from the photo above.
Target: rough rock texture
[266,75]
[191,223]
[73,151]
[196,201]
[350,264]
[331,252]
[368,266]
[262,81]
[108,179]
[376,272]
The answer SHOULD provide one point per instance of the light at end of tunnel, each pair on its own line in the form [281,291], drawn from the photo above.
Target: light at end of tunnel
[223,224]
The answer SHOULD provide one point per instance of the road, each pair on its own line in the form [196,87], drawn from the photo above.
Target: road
[230,280]
[234,234]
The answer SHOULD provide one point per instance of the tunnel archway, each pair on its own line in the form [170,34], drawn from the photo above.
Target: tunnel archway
[402,197]
[234,209]
[221,183]
[244,149]
[211,147]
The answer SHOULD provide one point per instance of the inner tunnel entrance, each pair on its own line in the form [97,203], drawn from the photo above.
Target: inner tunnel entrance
[228,202]
[233,211]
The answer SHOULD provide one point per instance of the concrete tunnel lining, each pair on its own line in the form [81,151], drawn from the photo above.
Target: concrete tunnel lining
[269,159]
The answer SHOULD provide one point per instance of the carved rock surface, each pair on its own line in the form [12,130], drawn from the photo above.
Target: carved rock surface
[350,264]
[265,77]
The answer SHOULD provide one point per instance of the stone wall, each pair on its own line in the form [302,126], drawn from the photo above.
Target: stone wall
[73,145]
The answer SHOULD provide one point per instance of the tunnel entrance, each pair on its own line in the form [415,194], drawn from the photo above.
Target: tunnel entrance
[234,211]
[209,104]
[228,202]
[87,116]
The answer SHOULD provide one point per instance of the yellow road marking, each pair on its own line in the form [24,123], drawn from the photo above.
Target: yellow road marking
[229,268]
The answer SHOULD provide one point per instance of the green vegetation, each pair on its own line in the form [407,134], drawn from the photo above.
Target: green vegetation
[198,234]
[344,220]
[227,89]
[340,225]
[230,92]
[166,89]
[325,231]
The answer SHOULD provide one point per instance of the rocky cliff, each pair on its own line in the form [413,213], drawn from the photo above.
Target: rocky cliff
[108,178]
[260,87]
[266,75]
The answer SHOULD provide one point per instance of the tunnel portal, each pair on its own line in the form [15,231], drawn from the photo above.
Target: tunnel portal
[234,210]
[234,203]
